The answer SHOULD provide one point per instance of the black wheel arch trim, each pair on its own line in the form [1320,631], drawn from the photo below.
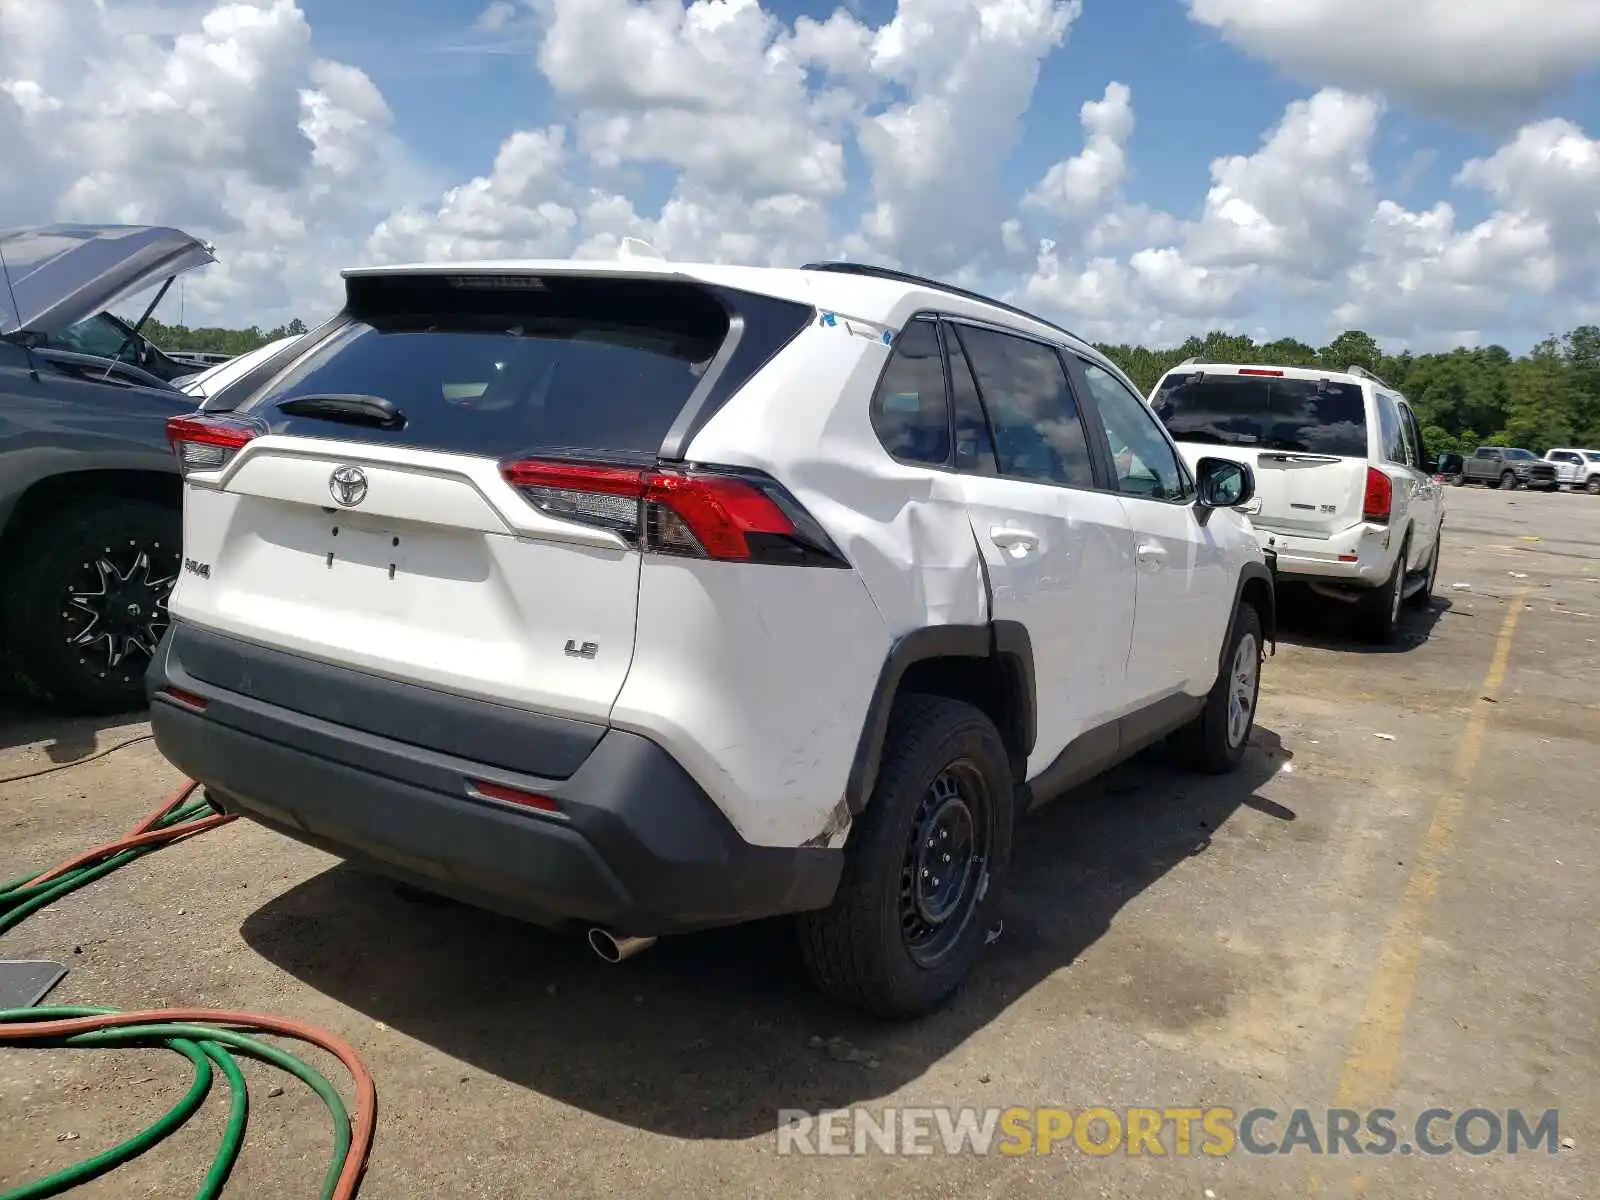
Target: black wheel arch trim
[1007,641]
[1269,618]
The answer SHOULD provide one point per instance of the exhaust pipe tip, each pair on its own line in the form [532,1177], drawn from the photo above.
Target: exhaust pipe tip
[615,949]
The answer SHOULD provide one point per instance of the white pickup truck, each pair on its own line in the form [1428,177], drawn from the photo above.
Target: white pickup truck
[1576,468]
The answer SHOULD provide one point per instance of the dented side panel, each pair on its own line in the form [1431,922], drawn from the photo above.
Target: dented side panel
[772,736]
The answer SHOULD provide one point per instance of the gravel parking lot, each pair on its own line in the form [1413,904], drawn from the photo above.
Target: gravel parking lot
[1392,905]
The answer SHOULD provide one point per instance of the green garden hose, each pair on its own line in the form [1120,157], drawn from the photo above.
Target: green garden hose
[207,1038]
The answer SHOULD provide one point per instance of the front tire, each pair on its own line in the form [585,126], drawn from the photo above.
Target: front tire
[1508,482]
[1592,485]
[1458,480]
[1216,740]
[924,867]
[89,602]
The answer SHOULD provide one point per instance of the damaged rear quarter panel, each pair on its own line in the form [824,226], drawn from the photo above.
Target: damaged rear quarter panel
[904,530]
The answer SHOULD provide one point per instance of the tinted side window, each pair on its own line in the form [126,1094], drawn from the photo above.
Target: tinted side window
[1144,460]
[1037,431]
[1419,446]
[1392,441]
[1408,438]
[909,411]
[974,443]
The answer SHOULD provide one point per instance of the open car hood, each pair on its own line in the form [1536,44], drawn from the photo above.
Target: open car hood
[62,274]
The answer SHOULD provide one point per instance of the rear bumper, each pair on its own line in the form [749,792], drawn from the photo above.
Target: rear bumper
[636,845]
[1362,555]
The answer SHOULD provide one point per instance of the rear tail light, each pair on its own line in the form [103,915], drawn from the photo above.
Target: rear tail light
[724,515]
[1260,371]
[1380,496]
[206,443]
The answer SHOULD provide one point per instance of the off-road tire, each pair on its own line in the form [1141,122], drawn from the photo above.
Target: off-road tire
[1205,743]
[858,950]
[1592,485]
[37,620]
[1508,482]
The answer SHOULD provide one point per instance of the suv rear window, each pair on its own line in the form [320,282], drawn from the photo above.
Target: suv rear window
[1265,412]
[515,365]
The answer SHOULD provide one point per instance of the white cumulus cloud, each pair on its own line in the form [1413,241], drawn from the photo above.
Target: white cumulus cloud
[1474,59]
[764,139]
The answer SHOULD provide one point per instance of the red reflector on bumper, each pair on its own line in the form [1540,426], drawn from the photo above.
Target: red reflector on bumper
[1349,558]
[187,699]
[511,795]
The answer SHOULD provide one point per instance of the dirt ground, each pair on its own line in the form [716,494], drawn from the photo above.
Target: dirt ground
[1393,905]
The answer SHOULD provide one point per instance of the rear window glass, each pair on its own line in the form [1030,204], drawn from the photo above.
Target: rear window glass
[580,365]
[1260,411]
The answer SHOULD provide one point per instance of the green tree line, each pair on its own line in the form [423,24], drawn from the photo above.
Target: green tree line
[1464,398]
[214,340]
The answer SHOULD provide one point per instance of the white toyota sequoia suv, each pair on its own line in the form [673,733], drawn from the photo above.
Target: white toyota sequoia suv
[1345,489]
[641,598]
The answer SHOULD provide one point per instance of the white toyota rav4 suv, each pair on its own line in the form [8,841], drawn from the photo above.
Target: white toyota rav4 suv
[643,598]
[1345,489]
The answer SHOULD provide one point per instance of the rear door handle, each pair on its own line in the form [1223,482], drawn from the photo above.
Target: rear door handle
[1018,542]
[1150,552]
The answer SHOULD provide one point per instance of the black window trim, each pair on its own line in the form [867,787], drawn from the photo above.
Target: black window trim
[948,465]
[1076,367]
[944,330]
[1100,467]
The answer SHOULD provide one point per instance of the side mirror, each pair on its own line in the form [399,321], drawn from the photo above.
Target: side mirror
[1224,484]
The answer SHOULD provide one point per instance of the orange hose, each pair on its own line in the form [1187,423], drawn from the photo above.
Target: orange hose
[142,835]
[362,1126]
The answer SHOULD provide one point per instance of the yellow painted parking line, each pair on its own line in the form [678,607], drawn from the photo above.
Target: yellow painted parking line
[1375,1048]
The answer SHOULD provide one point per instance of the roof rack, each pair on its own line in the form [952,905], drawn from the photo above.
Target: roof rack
[889,273]
[1363,373]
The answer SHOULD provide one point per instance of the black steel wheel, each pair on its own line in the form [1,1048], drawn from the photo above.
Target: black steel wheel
[924,867]
[946,860]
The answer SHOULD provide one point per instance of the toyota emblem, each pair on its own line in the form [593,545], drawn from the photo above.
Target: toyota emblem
[348,486]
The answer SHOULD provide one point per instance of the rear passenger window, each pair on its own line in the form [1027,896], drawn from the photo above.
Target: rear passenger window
[974,445]
[1394,446]
[909,411]
[1038,434]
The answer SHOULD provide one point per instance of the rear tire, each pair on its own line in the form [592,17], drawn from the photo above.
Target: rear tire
[1216,740]
[1381,610]
[1458,480]
[900,938]
[1423,597]
[89,602]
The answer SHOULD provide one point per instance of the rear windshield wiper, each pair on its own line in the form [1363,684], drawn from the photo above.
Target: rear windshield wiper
[351,408]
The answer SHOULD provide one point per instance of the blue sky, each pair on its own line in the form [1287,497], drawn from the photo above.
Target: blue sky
[456,92]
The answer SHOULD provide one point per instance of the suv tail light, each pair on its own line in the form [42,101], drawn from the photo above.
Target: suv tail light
[206,443]
[1380,496]
[717,513]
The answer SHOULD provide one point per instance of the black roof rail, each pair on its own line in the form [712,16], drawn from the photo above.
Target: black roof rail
[889,273]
